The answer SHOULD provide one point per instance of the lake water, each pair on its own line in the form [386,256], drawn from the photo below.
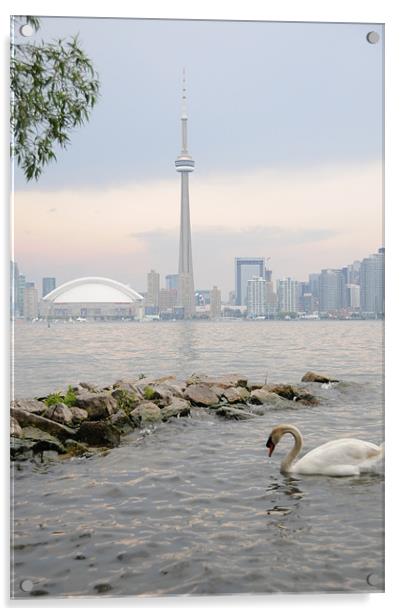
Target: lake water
[195,506]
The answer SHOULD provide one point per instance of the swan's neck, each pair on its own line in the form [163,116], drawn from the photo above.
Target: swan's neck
[290,457]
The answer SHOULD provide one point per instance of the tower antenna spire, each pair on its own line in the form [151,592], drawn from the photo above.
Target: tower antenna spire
[184,115]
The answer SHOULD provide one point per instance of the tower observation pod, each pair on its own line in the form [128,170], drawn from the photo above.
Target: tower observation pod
[184,164]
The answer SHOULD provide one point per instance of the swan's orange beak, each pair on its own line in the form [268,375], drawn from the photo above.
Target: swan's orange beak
[270,446]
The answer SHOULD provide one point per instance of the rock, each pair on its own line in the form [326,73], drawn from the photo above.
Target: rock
[47,425]
[147,412]
[122,421]
[219,391]
[232,395]
[127,399]
[312,377]
[98,433]
[252,386]
[75,449]
[177,408]
[42,441]
[123,385]
[229,412]
[237,380]
[244,393]
[60,413]
[30,406]
[78,414]
[296,394]
[263,396]
[221,382]
[201,395]
[15,428]
[98,405]
[94,389]
[20,449]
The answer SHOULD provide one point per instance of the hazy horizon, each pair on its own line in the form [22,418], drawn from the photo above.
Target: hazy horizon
[285,126]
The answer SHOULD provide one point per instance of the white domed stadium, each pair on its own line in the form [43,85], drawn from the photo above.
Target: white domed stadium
[94,298]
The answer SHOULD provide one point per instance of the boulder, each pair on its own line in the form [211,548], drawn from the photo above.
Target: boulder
[122,421]
[78,414]
[237,380]
[127,399]
[221,382]
[232,395]
[98,433]
[147,412]
[312,377]
[75,449]
[244,393]
[28,405]
[263,396]
[98,405]
[15,428]
[296,394]
[253,385]
[20,449]
[177,408]
[47,425]
[201,395]
[229,412]
[123,385]
[42,441]
[60,413]
[94,389]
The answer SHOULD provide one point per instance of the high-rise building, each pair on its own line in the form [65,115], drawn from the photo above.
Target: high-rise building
[215,303]
[332,287]
[172,281]
[20,294]
[256,297]
[153,289]
[314,285]
[245,269]
[14,273]
[167,300]
[287,295]
[48,284]
[372,284]
[184,164]
[271,300]
[353,296]
[30,301]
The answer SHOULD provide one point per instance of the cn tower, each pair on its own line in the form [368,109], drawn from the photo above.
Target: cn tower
[185,165]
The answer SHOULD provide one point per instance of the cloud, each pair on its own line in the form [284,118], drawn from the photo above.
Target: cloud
[304,219]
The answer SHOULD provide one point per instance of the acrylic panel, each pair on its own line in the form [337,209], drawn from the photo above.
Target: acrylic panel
[197,307]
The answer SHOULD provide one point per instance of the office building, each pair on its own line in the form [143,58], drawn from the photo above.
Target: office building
[30,301]
[287,295]
[215,303]
[332,296]
[153,290]
[372,284]
[48,284]
[247,268]
[256,297]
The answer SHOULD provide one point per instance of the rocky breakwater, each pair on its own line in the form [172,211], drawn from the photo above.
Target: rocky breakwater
[87,418]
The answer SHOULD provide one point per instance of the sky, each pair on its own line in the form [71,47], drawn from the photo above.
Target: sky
[285,126]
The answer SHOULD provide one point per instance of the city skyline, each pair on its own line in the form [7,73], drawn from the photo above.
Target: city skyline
[285,167]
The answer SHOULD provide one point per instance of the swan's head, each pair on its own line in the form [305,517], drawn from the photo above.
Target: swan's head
[276,434]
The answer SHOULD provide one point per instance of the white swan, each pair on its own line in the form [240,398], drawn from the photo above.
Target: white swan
[339,458]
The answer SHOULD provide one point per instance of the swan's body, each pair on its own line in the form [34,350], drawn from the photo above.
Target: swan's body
[342,457]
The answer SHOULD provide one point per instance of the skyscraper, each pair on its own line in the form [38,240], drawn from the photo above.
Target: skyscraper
[185,165]
[48,284]
[153,290]
[256,296]
[287,295]
[332,290]
[372,284]
[245,269]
